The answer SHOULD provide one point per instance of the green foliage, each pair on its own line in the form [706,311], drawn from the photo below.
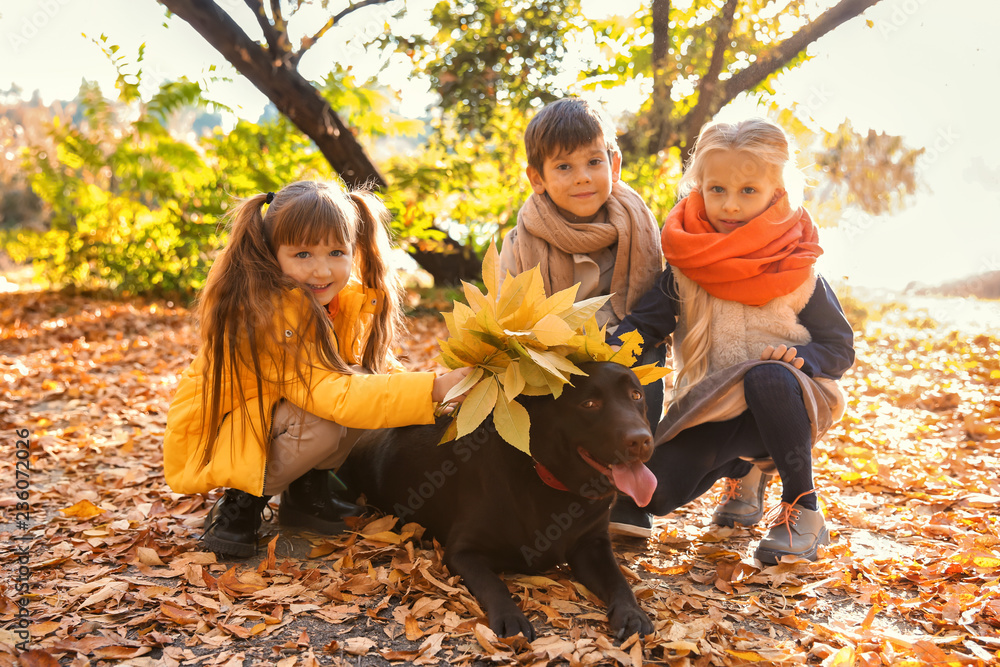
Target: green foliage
[495,62]
[263,157]
[654,178]
[471,185]
[133,209]
[369,106]
[489,54]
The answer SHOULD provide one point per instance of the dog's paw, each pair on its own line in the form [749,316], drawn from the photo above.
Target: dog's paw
[512,623]
[627,621]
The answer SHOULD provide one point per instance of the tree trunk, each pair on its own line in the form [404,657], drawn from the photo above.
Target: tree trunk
[705,106]
[657,131]
[294,96]
[305,106]
[662,83]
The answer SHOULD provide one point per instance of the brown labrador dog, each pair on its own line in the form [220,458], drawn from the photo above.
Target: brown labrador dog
[497,509]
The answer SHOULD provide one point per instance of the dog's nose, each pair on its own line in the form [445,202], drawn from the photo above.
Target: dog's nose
[640,445]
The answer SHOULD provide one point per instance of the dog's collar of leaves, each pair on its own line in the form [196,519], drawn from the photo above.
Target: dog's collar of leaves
[521,341]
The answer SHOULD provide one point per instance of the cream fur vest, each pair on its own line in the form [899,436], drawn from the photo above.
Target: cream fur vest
[739,332]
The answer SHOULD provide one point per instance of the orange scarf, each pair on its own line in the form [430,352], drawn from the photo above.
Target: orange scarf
[768,257]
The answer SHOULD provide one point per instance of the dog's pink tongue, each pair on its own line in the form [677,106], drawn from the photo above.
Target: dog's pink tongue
[636,480]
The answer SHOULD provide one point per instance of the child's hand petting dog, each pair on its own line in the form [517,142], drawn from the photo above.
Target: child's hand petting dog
[782,353]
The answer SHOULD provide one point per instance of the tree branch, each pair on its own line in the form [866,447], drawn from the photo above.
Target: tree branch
[706,88]
[353,8]
[279,21]
[271,36]
[720,93]
[294,96]
[771,61]
[662,81]
[652,129]
[309,111]
[308,42]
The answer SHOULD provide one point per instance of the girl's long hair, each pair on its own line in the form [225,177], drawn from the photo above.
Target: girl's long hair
[371,249]
[769,144]
[696,344]
[246,288]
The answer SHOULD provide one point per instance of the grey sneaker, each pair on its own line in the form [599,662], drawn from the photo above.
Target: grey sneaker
[794,530]
[742,501]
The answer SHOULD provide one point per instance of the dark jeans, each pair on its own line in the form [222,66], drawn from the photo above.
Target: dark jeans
[776,425]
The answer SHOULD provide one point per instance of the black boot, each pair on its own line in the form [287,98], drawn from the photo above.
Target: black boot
[232,524]
[311,502]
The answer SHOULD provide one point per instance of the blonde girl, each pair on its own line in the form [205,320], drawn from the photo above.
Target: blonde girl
[759,341]
[298,319]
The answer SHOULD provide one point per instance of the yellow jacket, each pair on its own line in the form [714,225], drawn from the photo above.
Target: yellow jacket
[355,401]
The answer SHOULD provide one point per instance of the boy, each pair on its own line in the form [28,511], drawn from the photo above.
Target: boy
[582,224]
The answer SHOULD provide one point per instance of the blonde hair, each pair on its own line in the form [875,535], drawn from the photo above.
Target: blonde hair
[694,349]
[768,144]
[759,137]
[246,287]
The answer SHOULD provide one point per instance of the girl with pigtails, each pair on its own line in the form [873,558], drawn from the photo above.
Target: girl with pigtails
[298,317]
[759,341]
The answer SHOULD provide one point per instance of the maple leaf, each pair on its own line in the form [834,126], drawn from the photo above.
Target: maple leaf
[521,341]
[915,534]
[82,510]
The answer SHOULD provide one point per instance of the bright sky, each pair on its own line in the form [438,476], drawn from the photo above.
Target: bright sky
[926,70]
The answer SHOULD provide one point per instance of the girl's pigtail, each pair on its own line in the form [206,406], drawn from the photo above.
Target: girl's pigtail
[371,258]
[236,304]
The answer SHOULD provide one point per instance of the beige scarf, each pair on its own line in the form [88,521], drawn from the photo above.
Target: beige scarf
[547,240]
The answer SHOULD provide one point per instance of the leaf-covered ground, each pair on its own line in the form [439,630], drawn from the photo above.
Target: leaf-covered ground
[116,577]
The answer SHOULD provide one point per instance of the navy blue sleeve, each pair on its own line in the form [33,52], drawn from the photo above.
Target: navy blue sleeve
[654,315]
[831,352]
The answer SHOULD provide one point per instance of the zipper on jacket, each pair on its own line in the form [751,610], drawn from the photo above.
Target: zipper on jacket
[267,455]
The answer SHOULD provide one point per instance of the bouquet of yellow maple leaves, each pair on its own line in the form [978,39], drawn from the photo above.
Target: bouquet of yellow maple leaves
[519,341]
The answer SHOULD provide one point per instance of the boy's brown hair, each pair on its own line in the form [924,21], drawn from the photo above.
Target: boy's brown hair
[565,125]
